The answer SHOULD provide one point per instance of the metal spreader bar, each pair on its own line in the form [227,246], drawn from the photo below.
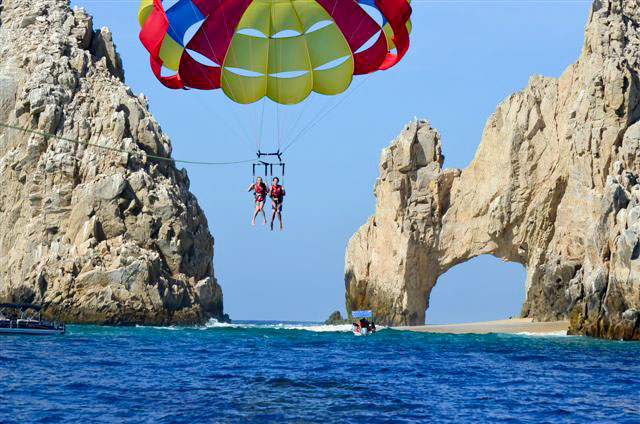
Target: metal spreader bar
[268,166]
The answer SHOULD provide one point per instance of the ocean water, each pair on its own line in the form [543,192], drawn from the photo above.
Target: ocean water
[270,372]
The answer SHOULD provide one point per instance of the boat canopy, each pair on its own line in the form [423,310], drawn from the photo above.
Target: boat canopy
[362,314]
[21,306]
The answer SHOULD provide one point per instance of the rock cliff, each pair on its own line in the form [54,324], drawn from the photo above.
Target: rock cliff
[94,234]
[554,186]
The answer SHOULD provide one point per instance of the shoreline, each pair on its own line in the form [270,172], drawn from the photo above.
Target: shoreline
[509,326]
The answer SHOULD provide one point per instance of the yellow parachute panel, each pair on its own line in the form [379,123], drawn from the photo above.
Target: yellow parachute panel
[334,80]
[258,17]
[145,9]
[288,55]
[310,13]
[248,53]
[326,45]
[243,89]
[284,17]
[290,91]
[170,53]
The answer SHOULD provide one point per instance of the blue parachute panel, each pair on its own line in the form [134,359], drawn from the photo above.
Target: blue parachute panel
[182,16]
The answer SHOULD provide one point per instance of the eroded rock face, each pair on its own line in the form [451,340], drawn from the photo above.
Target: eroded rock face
[96,235]
[553,186]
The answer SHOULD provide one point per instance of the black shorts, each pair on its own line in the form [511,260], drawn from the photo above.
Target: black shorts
[276,205]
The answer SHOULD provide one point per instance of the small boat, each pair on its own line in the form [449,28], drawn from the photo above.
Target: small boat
[363,327]
[18,318]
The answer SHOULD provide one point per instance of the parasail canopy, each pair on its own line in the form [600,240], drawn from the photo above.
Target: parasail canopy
[282,49]
[362,314]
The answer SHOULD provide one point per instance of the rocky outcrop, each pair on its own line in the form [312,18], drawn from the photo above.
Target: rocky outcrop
[336,319]
[94,234]
[554,186]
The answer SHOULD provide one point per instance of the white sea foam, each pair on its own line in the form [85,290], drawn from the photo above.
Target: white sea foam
[170,327]
[314,328]
[561,333]
[213,323]
[318,328]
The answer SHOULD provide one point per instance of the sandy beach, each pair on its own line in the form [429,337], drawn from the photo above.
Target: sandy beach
[517,325]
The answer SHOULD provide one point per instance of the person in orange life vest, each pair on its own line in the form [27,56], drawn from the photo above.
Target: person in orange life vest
[260,191]
[277,194]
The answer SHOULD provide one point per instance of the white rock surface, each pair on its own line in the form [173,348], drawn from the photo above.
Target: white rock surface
[96,235]
[553,186]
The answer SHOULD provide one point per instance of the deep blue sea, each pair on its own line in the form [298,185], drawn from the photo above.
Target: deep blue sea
[281,373]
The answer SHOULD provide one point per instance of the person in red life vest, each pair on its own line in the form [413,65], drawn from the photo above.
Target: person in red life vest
[260,191]
[277,194]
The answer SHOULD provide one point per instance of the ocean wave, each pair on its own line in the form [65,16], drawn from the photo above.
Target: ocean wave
[156,327]
[299,326]
[317,328]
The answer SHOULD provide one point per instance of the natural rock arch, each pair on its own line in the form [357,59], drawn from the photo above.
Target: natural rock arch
[440,219]
[484,288]
[553,186]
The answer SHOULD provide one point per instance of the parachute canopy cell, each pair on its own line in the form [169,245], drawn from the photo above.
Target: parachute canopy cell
[283,49]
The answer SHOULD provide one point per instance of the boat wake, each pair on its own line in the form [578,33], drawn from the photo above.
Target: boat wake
[257,325]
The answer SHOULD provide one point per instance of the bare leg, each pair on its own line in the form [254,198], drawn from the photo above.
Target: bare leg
[280,219]
[264,217]
[253,220]
[273,217]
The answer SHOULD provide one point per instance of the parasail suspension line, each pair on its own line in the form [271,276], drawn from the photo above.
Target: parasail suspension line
[323,113]
[113,149]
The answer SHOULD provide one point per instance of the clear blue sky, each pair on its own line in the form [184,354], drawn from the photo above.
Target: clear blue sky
[465,58]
